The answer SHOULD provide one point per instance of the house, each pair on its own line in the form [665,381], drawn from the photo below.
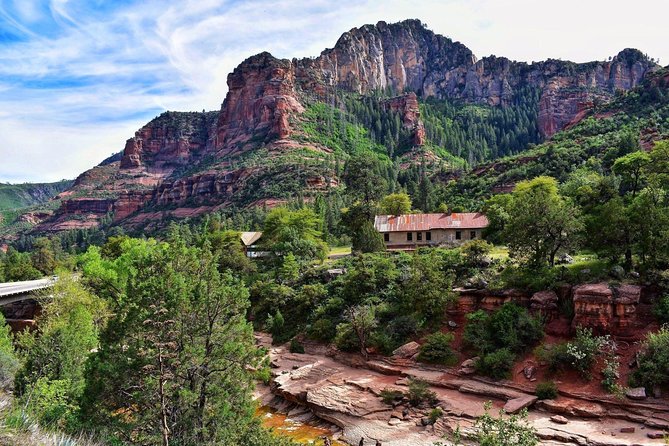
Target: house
[249,240]
[408,232]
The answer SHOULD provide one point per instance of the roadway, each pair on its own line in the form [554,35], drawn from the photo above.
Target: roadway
[15,291]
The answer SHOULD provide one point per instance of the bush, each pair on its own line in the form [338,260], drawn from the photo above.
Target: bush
[661,309]
[584,351]
[276,326]
[420,393]
[323,330]
[296,346]
[555,355]
[437,349]
[9,363]
[434,415]
[504,430]
[402,328]
[475,251]
[496,365]
[390,396]
[8,367]
[546,390]
[50,402]
[383,342]
[511,327]
[653,367]
[346,340]
[531,280]
[610,375]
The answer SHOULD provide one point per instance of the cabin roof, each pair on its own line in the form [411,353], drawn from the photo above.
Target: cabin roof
[249,238]
[427,222]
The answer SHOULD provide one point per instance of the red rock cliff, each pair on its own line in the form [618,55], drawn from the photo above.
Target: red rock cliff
[261,97]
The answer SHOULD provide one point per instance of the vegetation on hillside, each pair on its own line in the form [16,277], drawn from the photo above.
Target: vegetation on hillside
[17,196]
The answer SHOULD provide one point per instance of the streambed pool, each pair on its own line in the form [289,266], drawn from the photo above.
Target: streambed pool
[301,432]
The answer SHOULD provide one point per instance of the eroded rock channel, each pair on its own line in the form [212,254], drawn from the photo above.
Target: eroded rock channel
[324,385]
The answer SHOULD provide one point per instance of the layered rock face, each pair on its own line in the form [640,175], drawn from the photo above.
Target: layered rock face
[261,97]
[407,106]
[605,309]
[187,159]
[406,55]
[173,139]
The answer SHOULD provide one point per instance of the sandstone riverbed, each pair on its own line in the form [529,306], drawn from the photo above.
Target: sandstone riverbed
[344,391]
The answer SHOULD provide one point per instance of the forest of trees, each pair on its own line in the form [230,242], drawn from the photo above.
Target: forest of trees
[150,340]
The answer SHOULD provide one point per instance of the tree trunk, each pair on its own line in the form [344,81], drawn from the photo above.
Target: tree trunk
[165,429]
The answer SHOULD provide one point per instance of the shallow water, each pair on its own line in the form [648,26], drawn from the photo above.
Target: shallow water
[301,432]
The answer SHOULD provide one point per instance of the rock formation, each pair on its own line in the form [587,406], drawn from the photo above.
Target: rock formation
[195,161]
[605,309]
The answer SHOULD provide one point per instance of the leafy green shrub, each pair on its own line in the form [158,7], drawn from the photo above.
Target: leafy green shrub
[275,325]
[531,280]
[496,365]
[346,340]
[546,390]
[390,396]
[383,342]
[584,351]
[323,330]
[50,403]
[9,363]
[653,367]
[555,356]
[420,393]
[610,375]
[502,430]
[661,309]
[402,328]
[437,349]
[511,327]
[434,415]
[296,346]
[474,251]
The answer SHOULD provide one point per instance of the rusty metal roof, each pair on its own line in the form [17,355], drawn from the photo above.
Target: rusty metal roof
[427,222]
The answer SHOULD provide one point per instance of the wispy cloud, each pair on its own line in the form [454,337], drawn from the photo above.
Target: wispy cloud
[78,77]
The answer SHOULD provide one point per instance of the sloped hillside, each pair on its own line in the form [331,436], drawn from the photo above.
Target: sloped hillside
[421,104]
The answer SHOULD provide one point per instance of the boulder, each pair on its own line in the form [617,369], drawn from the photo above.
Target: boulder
[637,393]
[529,371]
[617,272]
[559,419]
[407,350]
[573,407]
[604,309]
[468,367]
[546,303]
[655,435]
[565,259]
[517,404]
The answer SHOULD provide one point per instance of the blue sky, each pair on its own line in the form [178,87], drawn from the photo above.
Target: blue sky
[77,78]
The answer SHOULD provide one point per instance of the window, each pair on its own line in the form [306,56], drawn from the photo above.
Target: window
[419,236]
[472,235]
[458,235]
[428,236]
[386,237]
[409,236]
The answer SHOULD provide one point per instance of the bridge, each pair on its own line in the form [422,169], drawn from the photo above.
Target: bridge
[11,292]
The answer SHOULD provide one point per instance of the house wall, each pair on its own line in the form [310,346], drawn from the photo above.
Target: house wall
[439,237]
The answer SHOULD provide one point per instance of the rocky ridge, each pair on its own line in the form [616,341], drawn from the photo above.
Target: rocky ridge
[190,160]
[345,390]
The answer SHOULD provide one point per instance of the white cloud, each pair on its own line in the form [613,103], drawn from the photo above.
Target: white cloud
[79,80]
